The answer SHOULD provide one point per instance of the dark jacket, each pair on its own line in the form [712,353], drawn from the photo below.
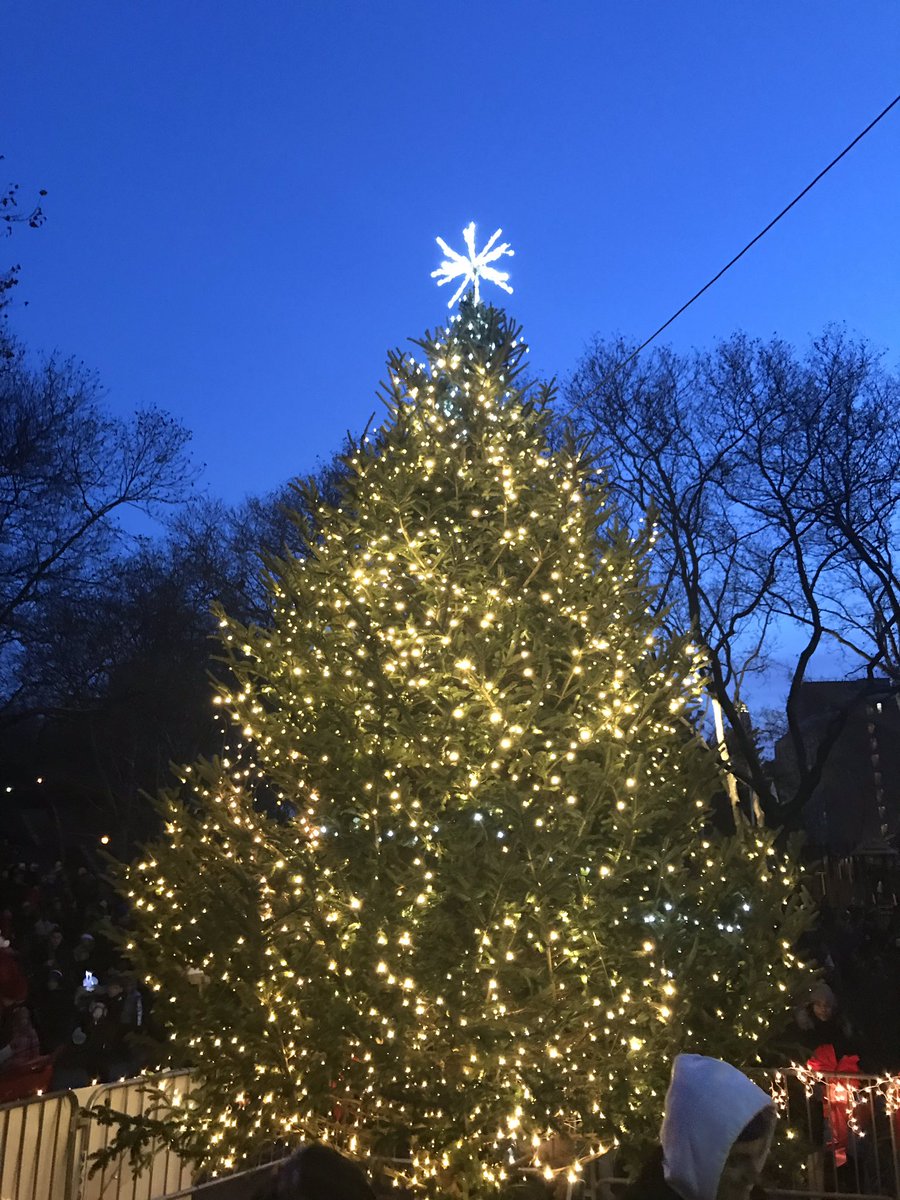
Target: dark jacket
[650,1183]
[316,1172]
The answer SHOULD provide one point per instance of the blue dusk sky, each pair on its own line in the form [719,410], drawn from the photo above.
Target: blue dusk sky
[244,196]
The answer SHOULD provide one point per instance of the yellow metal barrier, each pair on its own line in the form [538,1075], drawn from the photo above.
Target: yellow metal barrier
[166,1175]
[38,1147]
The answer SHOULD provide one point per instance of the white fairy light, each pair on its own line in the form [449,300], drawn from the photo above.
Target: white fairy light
[473,266]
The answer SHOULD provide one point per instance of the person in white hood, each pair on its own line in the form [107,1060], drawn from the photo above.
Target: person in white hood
[715,1135]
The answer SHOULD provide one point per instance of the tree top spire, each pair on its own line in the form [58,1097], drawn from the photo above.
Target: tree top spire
[474,265]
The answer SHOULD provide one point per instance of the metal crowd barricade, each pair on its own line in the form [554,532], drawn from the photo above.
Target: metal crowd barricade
[47,1146]
[847,1126]
[166,1175]
[38,1147]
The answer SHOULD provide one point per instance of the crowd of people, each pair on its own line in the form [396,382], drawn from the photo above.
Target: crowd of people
[70,1010]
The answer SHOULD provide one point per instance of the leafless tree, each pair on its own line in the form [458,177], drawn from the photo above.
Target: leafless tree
[68,471]
[12,214]
[773,481]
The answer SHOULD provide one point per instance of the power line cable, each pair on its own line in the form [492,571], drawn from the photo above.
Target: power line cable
[643,346]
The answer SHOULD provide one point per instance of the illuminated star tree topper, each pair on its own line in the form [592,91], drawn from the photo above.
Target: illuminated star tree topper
[473,266]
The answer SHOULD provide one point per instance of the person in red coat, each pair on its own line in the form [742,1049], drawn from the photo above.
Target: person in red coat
[24,1071]
[23,1046]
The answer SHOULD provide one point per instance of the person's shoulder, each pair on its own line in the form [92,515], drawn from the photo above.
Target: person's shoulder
[650,1182]
[318,1172]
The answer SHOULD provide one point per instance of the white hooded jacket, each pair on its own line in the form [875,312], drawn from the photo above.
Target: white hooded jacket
[709,1103]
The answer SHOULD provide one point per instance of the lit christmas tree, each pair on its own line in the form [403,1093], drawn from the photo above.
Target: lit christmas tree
[453,894]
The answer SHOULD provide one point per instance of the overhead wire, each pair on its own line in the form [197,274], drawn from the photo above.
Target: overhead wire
[696,296]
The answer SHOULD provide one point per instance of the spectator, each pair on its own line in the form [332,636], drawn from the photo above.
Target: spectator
[43,926]
[715,1136]
[99,1048]
[57,957]
[53,1011]
[113,992]
[820,1023]
[23,1046]
[83,956]
[317,1172]
[85,889]
[13,984]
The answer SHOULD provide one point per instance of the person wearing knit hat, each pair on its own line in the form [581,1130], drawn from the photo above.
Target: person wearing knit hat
[715,1135]
[821,1023]
[822,1001]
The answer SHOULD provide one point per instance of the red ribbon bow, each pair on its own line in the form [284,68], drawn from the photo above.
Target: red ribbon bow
[825,1059]
[838,1099]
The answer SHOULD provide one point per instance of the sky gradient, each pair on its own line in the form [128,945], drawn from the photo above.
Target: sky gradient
[243,197]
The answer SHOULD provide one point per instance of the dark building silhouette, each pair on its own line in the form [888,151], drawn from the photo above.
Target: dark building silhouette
[856,807]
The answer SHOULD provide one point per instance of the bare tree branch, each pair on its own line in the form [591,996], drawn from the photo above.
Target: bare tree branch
[773,481]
